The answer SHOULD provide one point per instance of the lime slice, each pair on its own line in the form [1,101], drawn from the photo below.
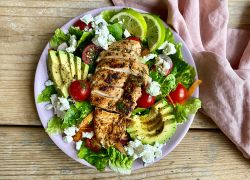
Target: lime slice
[132,21]
[155,31]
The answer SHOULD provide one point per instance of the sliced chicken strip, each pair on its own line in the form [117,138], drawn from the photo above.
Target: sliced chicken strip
[109,127]
[111,77]
[103,102]
[107,90]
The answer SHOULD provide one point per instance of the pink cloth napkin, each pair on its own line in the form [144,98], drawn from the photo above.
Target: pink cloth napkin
[222,58]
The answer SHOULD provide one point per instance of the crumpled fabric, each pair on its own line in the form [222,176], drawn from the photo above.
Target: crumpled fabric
[222,58]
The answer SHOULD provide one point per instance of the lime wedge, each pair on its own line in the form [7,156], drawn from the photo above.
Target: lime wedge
[155,31]
[132,21]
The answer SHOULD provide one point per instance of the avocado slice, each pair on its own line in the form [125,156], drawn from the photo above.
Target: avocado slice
[78,67]
[72,65]
[64,67]
[54,73]
[85,70]
[157,126]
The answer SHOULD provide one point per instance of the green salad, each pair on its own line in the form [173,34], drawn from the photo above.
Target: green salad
[118,86]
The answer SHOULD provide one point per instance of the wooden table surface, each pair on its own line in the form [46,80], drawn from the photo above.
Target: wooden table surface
[26,151]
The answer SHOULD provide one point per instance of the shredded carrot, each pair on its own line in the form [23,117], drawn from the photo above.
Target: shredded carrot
[120,148]
[85,122]
[193,87]
[171,100]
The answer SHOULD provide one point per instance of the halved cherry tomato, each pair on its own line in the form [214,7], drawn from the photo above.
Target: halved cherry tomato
[179,95]
[79,90]
[146,100]
[134,38]
[90,53]
[82,25]
[93,144]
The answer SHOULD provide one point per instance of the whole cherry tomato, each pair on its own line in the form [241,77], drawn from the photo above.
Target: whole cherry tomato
[79,90]
[179,95]
[146,100]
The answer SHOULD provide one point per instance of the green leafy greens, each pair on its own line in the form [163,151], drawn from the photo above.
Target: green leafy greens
[116,31]
[76,113]
[54,125]
[97,159]
[44,96]
[182,111]
[168,83]
[76,31]
[58,38]
[119,162]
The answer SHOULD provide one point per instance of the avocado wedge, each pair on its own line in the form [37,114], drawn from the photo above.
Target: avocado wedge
[157,126]
[78,67]
[64,67]
[72,65]
[85,70]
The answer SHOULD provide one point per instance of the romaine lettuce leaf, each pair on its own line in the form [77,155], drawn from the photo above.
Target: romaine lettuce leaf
[75,31]
[44,96]
[54,125]
[169,35]
[76,113]
[183,72]
[85,37]
[58,38]
[182,111]
[108,14]
[168,83]
[119,162]
[97,159]
[116,31]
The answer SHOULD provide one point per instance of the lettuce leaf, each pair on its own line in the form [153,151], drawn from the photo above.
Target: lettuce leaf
[183,72]
[116,31]
[75,31]
[182,111]
[58,38]
[97,159]
[169,35]
[86,36]
[54,125]
[168,83]
[119,162]
[44,96]
[76,113]
[108,14]
[140,111]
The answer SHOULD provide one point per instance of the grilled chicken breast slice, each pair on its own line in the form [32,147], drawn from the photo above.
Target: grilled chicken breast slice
[109,127]
[108,103]
[118,65]
[111,77]
[106,90]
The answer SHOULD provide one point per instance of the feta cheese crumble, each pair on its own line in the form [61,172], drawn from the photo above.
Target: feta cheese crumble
[60,105]
[48,83]
[126,33]
[163,64]
[62,47]
[87,18]
[88,135]
[102,36]
[147,152]
[168,48]
[78,145]
[67,139]
[70,131]
[148,57]
[153,88]
[72,43]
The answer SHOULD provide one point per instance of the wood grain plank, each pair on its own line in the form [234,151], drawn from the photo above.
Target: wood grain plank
[28,153]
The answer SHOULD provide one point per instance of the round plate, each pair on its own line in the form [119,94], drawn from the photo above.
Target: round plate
[69,149]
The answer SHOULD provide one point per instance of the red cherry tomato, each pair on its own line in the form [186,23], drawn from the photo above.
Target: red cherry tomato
[90,53]
[82,25]
[79,90]
[134,38]
[146,100]
[179,95]
[93,144]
